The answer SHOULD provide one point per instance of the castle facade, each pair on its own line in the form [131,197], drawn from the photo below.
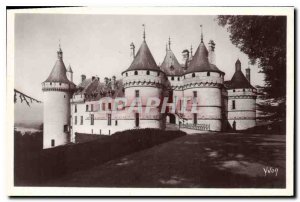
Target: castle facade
[132,102]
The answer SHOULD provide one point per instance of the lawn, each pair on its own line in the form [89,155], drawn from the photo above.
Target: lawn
[219,160]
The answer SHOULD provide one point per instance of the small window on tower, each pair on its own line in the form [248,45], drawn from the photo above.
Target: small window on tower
[126,74]
[92,107]
[52,143]
[233,104]
[65,128]
[243,89]
[81,120]
[109,119]
[148,72]
[50,83]
[75,108]
[172,78]
[75,120]
[208,73]
[137,93]
[195,93]
[158,73]
[178,79]
[109,106]
[60,84]
[116,122]
[193,75]
[135,72]
[233,90]
[86,107]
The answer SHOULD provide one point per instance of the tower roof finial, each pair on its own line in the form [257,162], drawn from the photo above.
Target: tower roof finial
[169,43]
[144,34]
[201,33]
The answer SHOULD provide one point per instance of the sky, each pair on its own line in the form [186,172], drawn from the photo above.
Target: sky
[100,44]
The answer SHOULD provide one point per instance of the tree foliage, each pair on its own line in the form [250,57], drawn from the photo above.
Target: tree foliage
[263,39]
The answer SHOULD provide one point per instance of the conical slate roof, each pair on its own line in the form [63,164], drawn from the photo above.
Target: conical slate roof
[200,61]
[143,59]
[58,73]
[239,80]
[171,65]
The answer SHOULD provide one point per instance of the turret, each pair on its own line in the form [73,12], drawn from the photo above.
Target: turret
[142,80]
[203,82]
[57,91]
[241,100]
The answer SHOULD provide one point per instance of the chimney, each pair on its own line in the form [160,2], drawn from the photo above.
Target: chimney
[238,65]
[132,47]
[211,52]
[83,77]
[113,83]
[248,74]
[185,57]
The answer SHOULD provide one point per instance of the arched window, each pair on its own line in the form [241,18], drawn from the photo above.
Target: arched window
[148,72]
[193,75]
[135,72]
[208,73]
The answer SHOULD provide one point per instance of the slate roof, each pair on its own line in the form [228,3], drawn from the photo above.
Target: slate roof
[143,59]
[238,80]
[171,65]
[93,89]
[200,62]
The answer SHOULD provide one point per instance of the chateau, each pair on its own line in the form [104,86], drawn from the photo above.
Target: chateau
[90,107]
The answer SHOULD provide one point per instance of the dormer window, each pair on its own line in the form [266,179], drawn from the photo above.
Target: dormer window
[135,72]
[148,72]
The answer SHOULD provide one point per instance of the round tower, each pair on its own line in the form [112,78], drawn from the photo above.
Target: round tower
[241,100]
[57,91]
[143,80]
[203,83]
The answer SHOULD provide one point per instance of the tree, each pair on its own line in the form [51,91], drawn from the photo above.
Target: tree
[263,39]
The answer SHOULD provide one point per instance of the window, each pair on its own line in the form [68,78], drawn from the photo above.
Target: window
[243,89]
[103,106]
[60,84]
[116,122]
[148,72]
[65,128]
[75,108]
[109,119]
[135,72]
[75,121]
[178,79]
[137,93]
[109,106]
[92,107]
[193,75]
[195,119]
[195,93]
[100,131]
[172,78]
[92,119]
[86,107]
[233,104]
[137,120]
[233,90]
[81,120]
[50,83]
[158,73]
[208,73]
[52,143]
[126,74]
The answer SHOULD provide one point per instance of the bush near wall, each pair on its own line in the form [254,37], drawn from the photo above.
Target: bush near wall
[62,160]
